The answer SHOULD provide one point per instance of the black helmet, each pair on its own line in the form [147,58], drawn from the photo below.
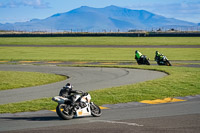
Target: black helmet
[136,51]
[68,86]
[156,52]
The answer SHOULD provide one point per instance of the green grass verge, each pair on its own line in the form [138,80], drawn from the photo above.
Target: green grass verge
[27,106]
[181,81]
[100,40]
[92,54]
[16,79]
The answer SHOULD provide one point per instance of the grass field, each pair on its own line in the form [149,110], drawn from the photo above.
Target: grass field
[100,40]
[15,79]
[92,54]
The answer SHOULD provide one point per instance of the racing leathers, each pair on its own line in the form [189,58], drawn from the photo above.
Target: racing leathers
[158,56]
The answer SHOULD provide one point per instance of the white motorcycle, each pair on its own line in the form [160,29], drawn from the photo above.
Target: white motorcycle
[82,106]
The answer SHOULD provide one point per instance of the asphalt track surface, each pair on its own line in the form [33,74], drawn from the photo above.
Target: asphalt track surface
[133,117]
[183,117]
[82,78]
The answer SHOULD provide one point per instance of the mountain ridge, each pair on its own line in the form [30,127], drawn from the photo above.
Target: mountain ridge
[89,19]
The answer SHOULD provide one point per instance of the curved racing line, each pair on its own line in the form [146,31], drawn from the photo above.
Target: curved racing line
[82,78]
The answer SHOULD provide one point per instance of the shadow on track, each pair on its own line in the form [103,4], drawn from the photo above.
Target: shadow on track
[41,118]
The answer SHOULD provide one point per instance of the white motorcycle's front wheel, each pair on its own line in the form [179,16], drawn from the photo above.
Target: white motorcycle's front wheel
[64,111]
[95,110]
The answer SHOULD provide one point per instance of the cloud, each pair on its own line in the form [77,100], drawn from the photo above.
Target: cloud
[189,11]
[30,3]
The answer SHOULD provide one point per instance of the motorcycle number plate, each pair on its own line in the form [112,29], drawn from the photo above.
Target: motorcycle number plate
[82,112]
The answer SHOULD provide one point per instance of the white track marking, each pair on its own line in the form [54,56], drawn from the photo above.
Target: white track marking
[118,122]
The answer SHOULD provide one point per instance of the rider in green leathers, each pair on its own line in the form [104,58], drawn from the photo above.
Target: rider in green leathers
[158,56]
[141,59]
[138,55]
[161,59]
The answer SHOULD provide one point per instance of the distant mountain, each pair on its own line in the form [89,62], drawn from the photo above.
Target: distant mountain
[99,19]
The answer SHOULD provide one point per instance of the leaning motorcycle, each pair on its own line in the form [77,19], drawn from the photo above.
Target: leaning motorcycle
[80,108]
[143,60]
[163,61]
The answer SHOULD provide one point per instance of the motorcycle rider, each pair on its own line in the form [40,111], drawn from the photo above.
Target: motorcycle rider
[67,92]
[138,55]
[158,56]
[141,59]
[75,105]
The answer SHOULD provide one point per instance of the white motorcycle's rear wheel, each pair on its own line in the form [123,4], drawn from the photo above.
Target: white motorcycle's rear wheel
[64,111]
[95,110]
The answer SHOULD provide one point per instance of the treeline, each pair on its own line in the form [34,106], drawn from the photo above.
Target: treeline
[111,34]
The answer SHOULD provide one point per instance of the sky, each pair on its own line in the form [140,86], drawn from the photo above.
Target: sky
[12,11]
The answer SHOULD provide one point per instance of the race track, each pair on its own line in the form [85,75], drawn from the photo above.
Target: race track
[171,117]
[82,78]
